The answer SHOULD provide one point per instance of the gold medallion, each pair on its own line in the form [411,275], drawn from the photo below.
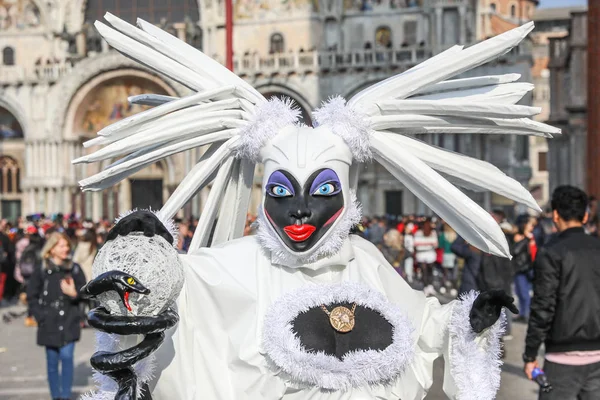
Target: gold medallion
[341,319]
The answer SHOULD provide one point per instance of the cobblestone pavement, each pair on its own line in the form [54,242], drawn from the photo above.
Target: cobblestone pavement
[23,369]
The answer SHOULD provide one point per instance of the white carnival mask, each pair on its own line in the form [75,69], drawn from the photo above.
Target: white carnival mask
[307,209]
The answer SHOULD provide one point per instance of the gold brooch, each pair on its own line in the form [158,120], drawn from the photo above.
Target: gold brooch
[341,318]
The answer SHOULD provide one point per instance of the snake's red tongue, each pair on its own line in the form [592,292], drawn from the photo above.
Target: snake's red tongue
[126,300]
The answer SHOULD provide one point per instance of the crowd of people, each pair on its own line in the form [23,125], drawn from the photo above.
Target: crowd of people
[425,250]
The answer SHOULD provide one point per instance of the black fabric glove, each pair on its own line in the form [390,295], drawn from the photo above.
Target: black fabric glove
[487,308]
[140,221]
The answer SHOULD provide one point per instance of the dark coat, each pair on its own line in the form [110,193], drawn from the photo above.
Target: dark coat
[565,309]
[472,265]
[482,271]
[521,261]
[58,315]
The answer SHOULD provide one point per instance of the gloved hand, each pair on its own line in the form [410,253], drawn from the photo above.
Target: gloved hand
[140,221]
[487,308]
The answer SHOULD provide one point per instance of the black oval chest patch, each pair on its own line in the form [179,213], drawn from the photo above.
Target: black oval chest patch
[371,331]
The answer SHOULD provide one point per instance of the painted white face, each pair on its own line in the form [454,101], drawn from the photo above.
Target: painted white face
[306,189]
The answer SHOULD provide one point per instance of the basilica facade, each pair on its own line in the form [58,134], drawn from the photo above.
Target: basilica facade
[60,84]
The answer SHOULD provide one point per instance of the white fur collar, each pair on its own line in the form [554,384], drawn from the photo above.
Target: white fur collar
[358,369]
[328,246]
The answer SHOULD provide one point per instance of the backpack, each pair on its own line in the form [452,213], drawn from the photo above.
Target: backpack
[29,261]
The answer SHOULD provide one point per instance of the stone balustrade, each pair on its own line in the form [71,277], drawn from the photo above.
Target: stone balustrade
[13,74]
[325,61]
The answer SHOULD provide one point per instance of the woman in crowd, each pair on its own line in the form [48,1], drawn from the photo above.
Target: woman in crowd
[426,241]
[523,251]
[86,251]
[52,295]
[28,260]
[393,249]
[409,251]
[446,238]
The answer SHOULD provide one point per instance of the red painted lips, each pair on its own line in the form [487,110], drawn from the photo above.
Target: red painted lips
[299,233]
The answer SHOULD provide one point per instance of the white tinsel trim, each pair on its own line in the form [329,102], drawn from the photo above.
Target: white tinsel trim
[107,388]
[358,368]
[169,224]
[348,123]
[269,118]
[475,366]
[329,244]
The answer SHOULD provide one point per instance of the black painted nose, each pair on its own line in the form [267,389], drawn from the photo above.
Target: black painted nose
[300,213]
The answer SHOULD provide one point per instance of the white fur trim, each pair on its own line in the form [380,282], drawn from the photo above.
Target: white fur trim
[107,388]
[167,222]
[348,123]
[474,358]
[269,118]
[327,246]
[357,369]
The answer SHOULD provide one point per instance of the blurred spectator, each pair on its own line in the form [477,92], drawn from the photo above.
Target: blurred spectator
[376,231]
[445,239]
[9,286]
[29,259]
[409,251]
[591,226]
[393,249]
[185,237]
[426,242]
[565,308]
[86,251]
[523,251]
[472,266]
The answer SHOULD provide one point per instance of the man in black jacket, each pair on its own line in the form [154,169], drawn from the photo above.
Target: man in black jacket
[565,309]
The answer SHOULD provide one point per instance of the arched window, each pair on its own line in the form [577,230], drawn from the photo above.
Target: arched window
[513,11]
[493,7]
[383,37]
[277,43]
[9,175]
[8,56]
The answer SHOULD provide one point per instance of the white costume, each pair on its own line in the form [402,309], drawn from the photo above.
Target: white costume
[237,338]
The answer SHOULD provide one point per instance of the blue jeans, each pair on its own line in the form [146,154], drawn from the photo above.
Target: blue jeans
[60,383]
[522,287]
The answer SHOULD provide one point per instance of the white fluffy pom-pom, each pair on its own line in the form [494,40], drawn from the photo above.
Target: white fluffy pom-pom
[348,123]
[270,117]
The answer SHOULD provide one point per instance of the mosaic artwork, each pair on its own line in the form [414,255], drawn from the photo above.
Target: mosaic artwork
[18,15]
[108,103]
[9,126]
[247,9]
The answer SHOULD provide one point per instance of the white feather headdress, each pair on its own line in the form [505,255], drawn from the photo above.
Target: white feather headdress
[228,114]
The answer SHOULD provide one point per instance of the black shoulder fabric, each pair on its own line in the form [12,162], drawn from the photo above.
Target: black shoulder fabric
[371,331]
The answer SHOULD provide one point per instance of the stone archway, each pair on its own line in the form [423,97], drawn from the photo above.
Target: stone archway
[100,102]
[103,100]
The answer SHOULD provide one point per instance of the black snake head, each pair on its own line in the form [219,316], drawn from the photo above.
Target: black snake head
[119,281]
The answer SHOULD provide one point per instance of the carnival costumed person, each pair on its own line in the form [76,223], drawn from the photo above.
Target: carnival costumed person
[302,310]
